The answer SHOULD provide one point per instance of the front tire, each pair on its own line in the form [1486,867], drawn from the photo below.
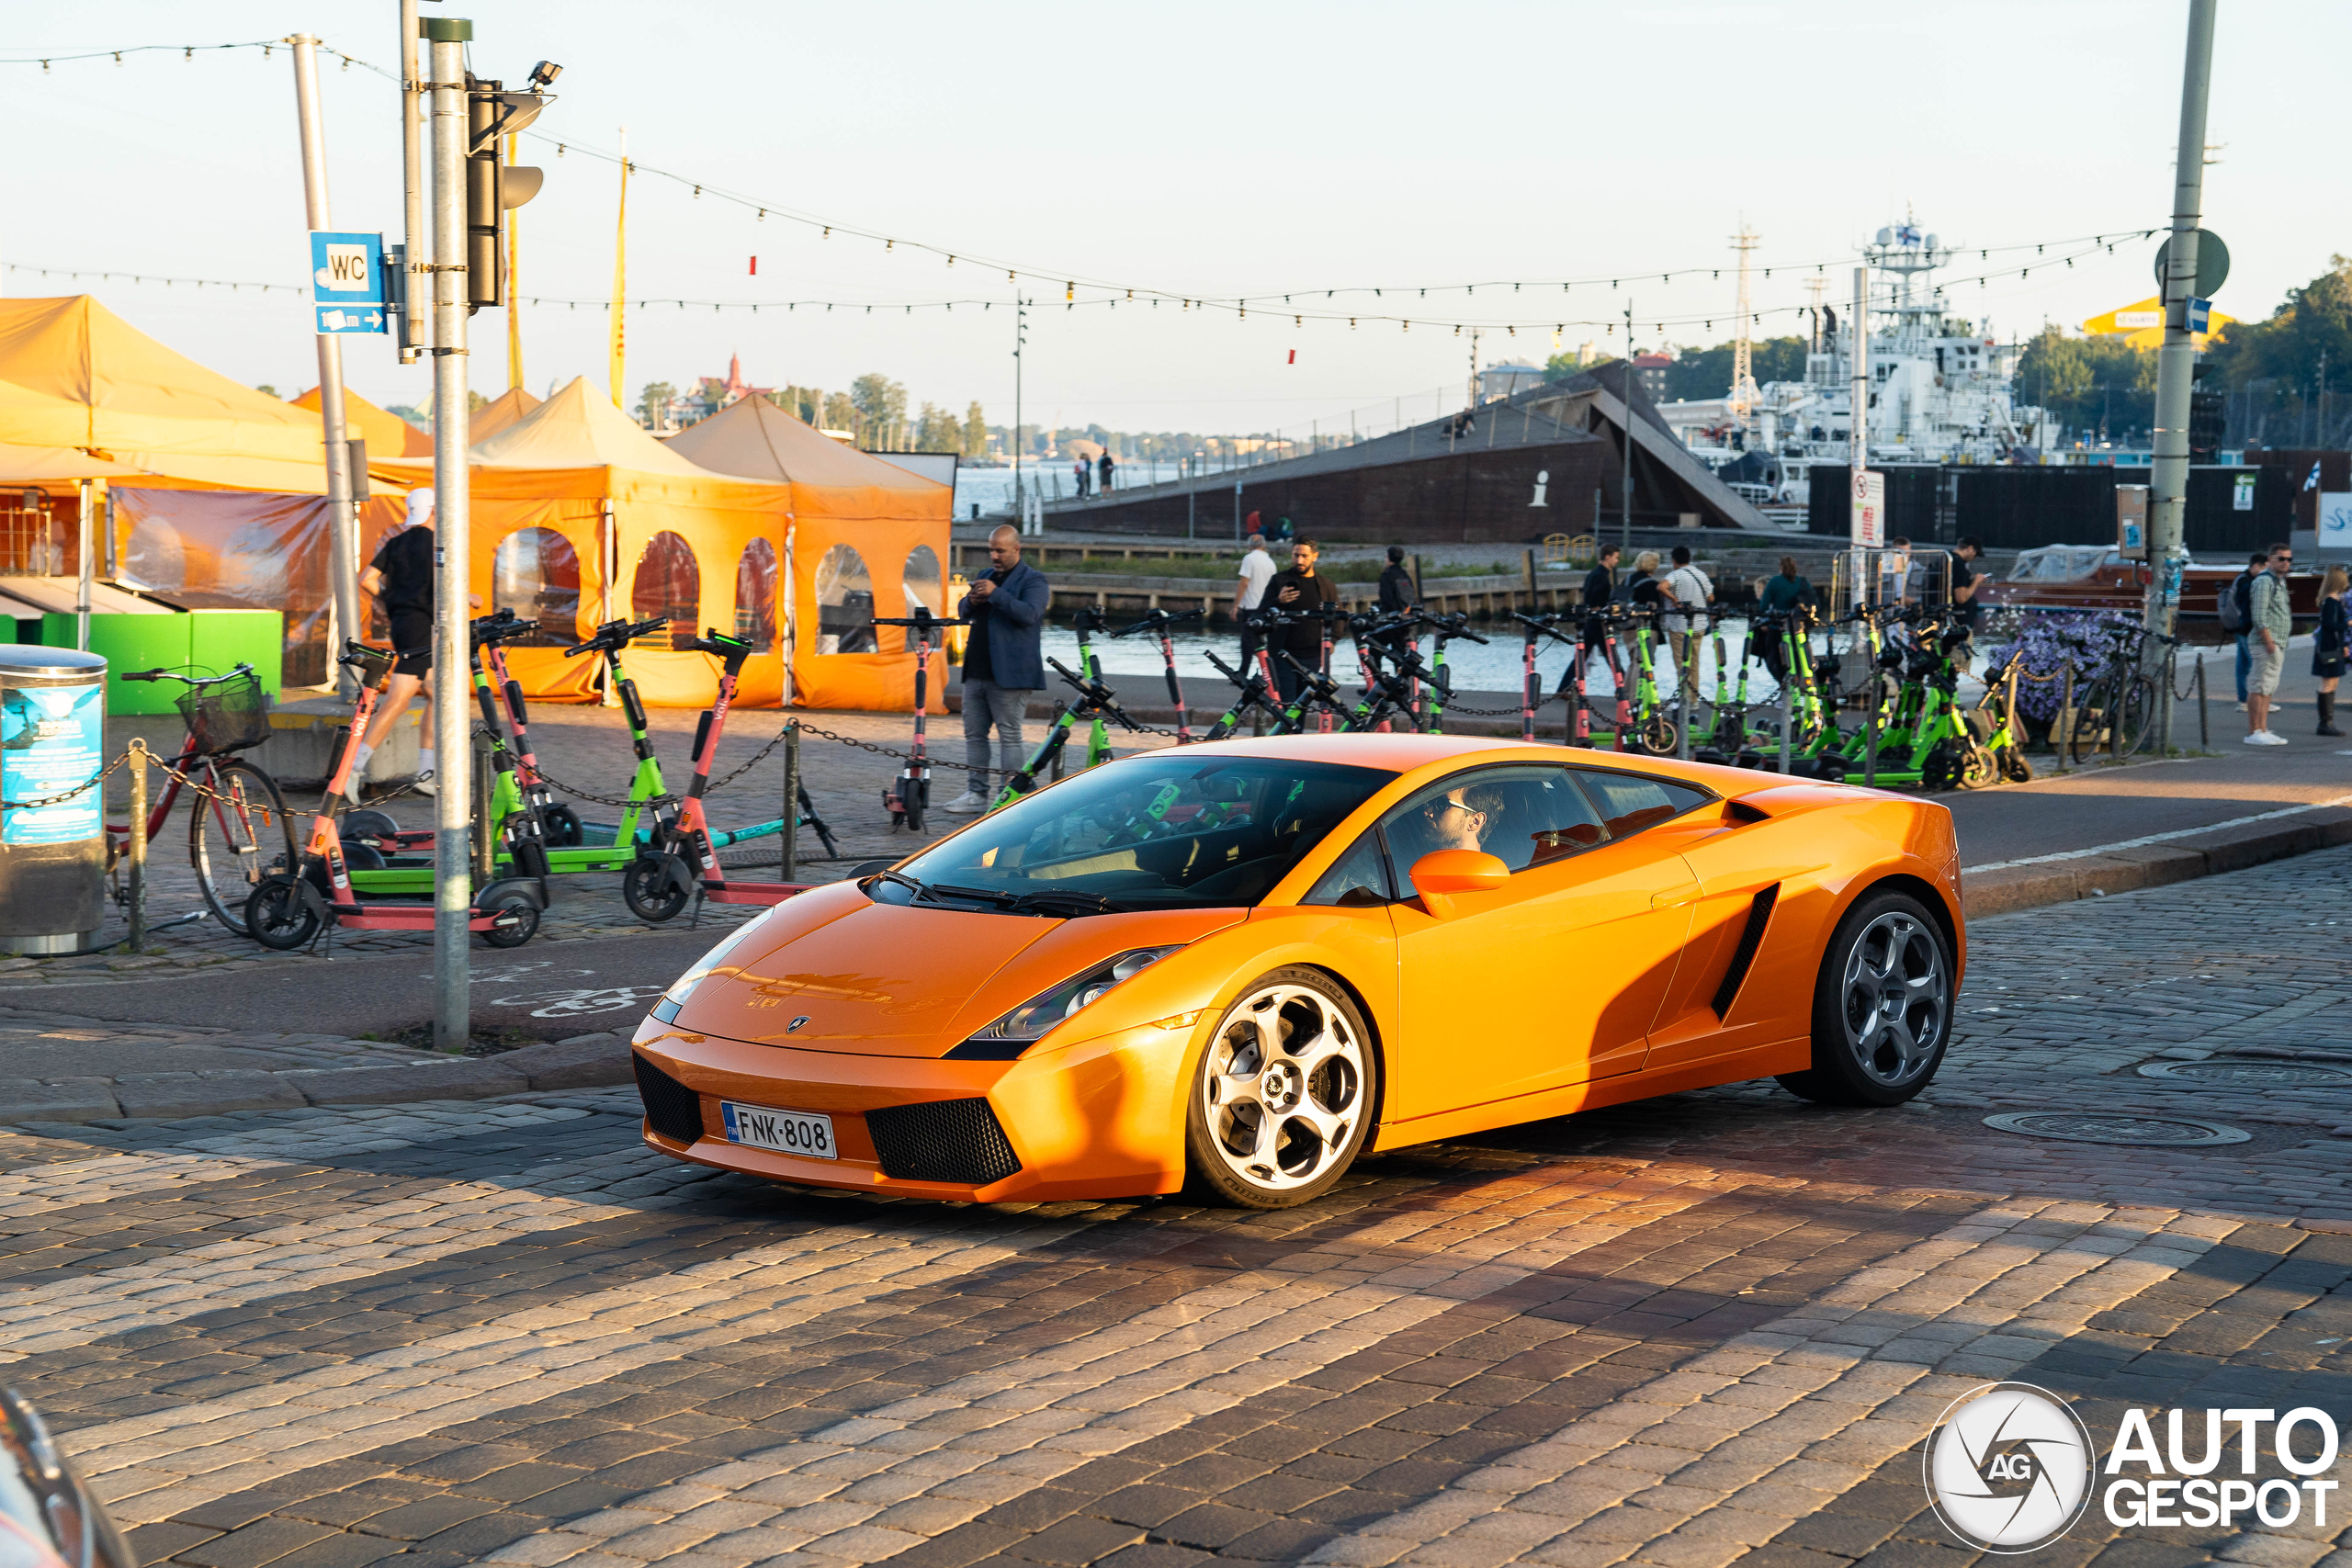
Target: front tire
[234,835]
[649,894]
[278,917]
[525,927]
[1882,1008]
[1282,1098]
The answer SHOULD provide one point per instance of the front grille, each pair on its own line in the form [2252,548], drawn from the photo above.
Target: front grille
[671,1108]
[945,1140]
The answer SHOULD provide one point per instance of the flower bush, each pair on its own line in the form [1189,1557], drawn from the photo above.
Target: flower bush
[2051,641]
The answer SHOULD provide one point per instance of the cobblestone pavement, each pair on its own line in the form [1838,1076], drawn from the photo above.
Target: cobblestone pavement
[1707,1329]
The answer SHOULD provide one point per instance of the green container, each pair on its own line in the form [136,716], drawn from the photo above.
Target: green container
[220,640]
[129,642]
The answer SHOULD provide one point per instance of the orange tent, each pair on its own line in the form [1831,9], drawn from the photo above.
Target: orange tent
[579,516]
[499,412]
[868,538]
[386,433]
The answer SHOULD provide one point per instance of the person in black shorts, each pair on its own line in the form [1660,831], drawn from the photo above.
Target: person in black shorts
[1600,587]
[400,580]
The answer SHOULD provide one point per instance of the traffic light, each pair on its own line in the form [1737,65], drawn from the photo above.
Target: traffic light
[491,186]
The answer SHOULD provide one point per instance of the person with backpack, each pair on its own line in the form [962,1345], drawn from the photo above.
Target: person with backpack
[2269,622]
[2234,605]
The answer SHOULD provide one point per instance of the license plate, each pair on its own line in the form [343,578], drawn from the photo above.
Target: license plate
[802,1133]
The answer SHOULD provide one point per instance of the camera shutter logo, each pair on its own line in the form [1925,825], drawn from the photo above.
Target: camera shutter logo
[2008,1467]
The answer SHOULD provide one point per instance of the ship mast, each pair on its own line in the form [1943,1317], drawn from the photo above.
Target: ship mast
[1744,394]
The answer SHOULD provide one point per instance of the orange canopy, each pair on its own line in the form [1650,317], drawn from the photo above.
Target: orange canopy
[499,412]
[386,432]
[74,374]
[869,538]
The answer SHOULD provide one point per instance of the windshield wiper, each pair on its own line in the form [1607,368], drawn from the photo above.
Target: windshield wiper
[1063,900]
[977,895]
[903,880]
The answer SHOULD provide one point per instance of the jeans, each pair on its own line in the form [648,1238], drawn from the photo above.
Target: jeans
[986,704]
[2246,663]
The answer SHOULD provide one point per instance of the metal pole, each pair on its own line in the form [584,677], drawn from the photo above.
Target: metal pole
[139,843]
[2063,731]
[2177,361]
[791,799]
[2204,733]
[453,814]
[85,540]
[1869,731]
[416,319]
[343,571]
[1625,500]
[1858,420]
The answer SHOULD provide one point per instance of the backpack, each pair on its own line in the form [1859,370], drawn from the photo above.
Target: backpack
[2230,604]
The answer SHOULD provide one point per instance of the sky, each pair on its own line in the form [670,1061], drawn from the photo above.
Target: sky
[1217,151]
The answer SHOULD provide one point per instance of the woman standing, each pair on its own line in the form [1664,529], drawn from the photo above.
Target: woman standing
[2329,647]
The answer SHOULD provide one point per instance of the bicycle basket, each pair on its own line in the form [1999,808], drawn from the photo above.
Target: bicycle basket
[227,716]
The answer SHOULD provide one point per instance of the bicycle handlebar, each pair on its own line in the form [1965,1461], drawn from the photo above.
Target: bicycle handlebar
[159,673]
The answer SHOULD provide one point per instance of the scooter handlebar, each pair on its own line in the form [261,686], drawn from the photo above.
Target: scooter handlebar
[616,635]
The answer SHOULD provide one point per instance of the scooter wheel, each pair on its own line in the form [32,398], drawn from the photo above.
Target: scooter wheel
[525,927]
[563,827]
[1979,768]
[278,915]
[2014,767]
[648,894]
[1656,736]
[365,825]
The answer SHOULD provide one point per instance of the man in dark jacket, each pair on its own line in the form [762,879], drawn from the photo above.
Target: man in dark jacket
[1397,591]
[1004,660]
[1299,589]
[1600,588]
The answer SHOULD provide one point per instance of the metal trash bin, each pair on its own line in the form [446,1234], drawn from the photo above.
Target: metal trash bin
[53,858]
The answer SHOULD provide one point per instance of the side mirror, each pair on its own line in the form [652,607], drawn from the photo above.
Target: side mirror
[1442,873]
[44,1505]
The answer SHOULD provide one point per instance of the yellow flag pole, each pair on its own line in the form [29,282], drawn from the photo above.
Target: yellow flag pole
[514,286]
[620,283]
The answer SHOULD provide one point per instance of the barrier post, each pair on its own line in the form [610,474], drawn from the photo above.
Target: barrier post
[2062,732]
[1788,711]
[2204,732]
[2163,708]
[791,799]
[138,759]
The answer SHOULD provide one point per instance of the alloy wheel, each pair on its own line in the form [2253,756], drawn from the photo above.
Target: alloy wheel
[1284,1088]
[1896,998]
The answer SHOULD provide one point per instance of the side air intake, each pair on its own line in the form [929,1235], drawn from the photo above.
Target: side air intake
[671,1108]
[945,1140]
[1743,958]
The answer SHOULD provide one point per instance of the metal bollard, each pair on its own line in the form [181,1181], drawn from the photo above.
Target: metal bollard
[1870,732]
[485,827]
[2204,730]
[1788,716]
[138,763]
[1683,706]
[791,798]
[2062,732]
[2164,702]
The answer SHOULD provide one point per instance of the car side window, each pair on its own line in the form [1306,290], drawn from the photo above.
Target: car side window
[1358,877]
[1523,816]
[1629,802]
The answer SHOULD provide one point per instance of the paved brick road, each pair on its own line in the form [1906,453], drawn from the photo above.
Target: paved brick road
[1700,1331]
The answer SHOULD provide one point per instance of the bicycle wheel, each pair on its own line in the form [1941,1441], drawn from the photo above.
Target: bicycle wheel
[237,827]
[2136,715]
[2087,737]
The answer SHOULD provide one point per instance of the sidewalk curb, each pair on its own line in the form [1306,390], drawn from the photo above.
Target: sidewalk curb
[2153,866]
[584,1061]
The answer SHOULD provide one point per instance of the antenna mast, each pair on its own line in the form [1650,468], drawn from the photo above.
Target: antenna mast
[1744,393]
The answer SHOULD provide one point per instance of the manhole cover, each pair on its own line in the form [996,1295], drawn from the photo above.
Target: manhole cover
[2256,1073]
[2082,1127]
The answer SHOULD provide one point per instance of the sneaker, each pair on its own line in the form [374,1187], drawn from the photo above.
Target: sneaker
[2263,737]
[2241,707]
[967,805]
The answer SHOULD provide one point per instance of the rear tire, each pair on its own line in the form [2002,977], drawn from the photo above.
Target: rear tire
[233,842]
[649,898]
[1881,1006]
[518,934]
[1282,1098]
[278,917]
[563,827]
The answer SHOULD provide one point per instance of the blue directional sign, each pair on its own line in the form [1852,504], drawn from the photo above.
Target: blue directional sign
[347,282]
[2200,315]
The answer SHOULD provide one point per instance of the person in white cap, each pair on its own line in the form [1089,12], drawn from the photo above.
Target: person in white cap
[400,580]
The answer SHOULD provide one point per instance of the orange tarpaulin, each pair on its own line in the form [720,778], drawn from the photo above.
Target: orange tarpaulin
[386,433]
[869,538]
[498,413]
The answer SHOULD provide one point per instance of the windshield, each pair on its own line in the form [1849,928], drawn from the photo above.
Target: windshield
[1168,830]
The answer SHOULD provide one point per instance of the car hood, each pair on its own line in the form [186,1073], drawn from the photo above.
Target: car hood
[909,981]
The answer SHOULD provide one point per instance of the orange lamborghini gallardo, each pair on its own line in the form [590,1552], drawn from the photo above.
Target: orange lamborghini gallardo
[1233,966]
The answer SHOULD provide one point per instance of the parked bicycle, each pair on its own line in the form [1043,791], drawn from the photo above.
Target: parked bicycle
[238,827]
[2115,706]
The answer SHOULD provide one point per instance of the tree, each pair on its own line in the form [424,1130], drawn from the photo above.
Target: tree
[2090,383]
[653,403]
[2277,362]
[266,387]
[1563,366]
[840,412]
[881,405]
[975,433]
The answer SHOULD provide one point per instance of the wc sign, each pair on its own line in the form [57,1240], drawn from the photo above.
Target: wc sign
[347,281]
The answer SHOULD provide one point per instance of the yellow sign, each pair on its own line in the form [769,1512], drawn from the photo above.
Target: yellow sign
[2142,326]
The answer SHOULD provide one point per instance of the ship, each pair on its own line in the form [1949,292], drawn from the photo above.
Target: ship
[1941,389]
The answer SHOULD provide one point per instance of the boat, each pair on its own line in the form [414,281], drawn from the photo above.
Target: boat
[2098,577]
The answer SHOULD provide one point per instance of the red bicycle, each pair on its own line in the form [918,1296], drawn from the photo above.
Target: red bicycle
[238,827]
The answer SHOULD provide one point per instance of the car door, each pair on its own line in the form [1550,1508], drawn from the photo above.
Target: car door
[1551,980]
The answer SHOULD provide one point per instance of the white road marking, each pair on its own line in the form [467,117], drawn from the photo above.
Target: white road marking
[1968,871]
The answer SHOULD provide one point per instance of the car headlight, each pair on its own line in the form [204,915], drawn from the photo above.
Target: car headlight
[666,1010]
[1024,1025]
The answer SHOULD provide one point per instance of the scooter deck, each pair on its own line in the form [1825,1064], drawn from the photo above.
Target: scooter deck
[413,880]
[400,918]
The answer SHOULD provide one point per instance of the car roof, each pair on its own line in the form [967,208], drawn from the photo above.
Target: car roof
[1410,752]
